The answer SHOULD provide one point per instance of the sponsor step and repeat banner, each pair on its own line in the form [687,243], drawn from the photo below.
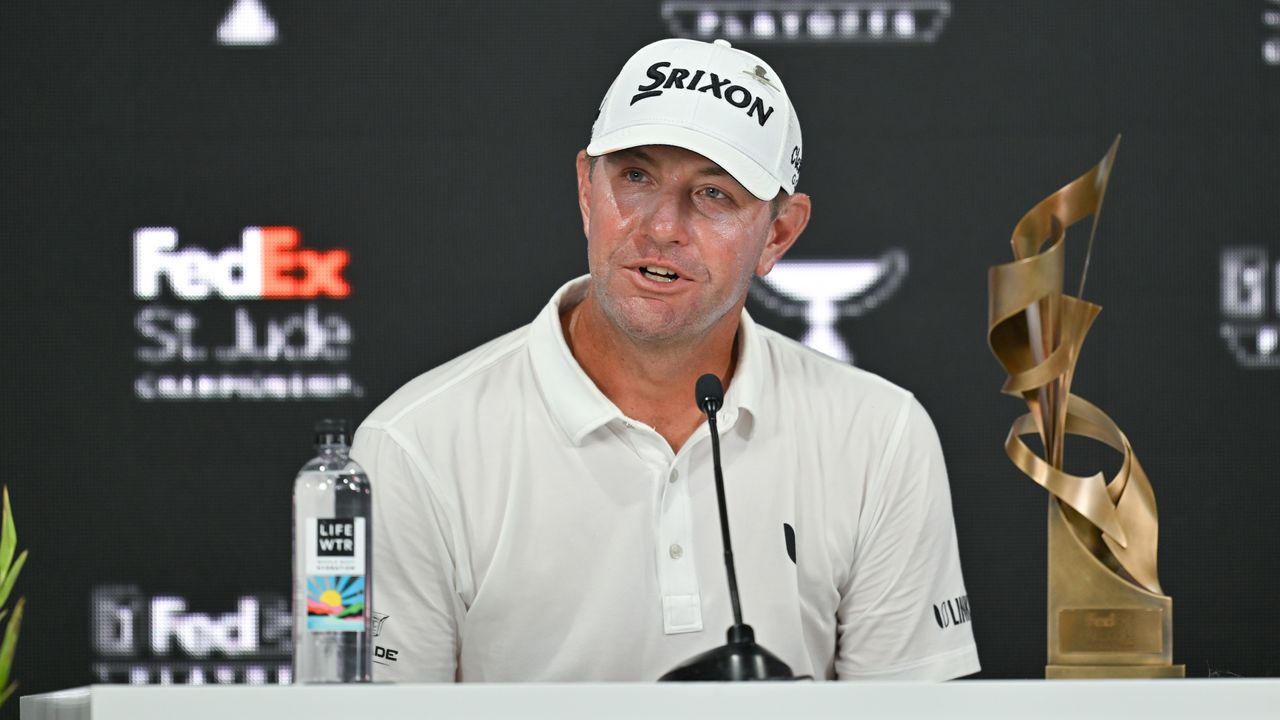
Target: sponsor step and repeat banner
[227,221]
[268,265]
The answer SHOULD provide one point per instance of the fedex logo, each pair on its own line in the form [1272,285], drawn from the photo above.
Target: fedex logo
[267,265]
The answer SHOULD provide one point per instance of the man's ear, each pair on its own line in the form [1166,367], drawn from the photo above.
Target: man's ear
[792,218]
[584,190]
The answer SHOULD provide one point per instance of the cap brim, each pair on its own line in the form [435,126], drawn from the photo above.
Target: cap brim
[747,172]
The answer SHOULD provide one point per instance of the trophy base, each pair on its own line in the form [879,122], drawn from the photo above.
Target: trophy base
[1100,625]
[1113,672]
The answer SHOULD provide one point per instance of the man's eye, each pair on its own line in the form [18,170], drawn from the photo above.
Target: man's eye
[635,176]
[715,193]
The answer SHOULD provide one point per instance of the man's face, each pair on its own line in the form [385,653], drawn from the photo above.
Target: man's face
[673,241]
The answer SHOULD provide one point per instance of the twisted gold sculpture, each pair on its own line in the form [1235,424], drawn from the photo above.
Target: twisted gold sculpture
[1107,614]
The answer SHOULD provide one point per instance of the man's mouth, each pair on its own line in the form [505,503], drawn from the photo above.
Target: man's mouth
[661,274]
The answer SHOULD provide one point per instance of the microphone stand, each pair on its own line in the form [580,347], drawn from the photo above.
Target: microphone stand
[740,658]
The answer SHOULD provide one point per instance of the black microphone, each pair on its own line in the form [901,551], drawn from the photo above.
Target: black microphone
[709,394]
[740,658]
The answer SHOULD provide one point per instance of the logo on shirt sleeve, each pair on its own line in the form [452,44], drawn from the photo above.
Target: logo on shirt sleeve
[382,655]
[952,612]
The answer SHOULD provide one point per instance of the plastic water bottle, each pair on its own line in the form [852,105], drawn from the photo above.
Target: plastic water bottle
[332,564]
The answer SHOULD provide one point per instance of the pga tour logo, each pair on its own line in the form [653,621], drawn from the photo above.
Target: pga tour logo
[268,265]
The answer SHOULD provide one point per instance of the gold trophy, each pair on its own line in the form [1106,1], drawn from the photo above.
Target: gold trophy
[1108,617]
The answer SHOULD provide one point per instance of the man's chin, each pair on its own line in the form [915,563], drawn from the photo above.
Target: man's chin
[640,321]
[652,320]
[651,332]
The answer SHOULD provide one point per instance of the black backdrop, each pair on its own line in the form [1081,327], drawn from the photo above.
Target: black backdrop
[434,142]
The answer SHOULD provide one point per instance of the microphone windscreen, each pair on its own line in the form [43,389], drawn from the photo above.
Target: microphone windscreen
[709,393]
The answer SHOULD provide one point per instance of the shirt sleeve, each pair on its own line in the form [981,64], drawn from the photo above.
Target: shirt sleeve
[904,613]
[415,607]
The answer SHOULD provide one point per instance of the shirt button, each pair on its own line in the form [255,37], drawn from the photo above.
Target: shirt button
[675,551]
[675,475]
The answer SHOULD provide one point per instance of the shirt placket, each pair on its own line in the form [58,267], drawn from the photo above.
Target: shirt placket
[673,549]
[677,573]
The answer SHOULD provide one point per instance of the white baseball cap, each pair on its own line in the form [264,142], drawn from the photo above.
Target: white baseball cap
[720,102]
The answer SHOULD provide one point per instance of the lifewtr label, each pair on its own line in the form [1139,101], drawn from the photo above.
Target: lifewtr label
[335,546]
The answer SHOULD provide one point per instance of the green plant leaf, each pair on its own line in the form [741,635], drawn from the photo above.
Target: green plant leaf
[8,537]
[8,691]
[9,644]
[7,585]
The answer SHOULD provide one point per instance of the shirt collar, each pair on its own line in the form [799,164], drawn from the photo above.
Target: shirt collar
[577,404]
[748,378]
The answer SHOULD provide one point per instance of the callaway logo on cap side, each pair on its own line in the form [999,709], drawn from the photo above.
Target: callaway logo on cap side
[735,95]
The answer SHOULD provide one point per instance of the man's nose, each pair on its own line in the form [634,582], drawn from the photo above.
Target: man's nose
[668,218]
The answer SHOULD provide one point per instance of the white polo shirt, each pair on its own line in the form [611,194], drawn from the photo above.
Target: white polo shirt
[526,530]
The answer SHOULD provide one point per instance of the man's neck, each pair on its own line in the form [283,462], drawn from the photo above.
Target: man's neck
[652,383]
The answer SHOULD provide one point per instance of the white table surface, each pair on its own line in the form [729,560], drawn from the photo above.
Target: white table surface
[990,699]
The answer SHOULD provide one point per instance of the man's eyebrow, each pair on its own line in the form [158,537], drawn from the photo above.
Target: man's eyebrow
[633,153]
[711,170]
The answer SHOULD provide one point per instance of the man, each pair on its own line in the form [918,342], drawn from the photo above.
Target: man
[545,506]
